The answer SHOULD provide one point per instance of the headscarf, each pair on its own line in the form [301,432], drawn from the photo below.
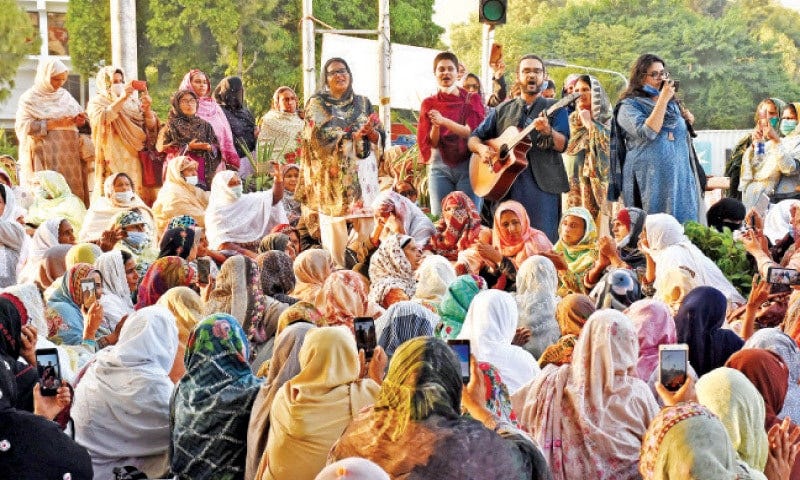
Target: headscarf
[13,316]
[698,325]
[676,284]
[280,131]
[300,312]
[52,265]
[131,218]
[163,274]
[589,416]
[63,307]
[345,295]
[229,94]
[239,220]
[402,322]
[416,224]
[687,441]
[45,237]
[186,306]
[390,269]
[53,198]
[177,242]
[434,276]
[653,320]
[572,313]
[770,376]
[184,221]
[533,242]
[15,244]
[628,247]
[670,248]
[490,325]
[238,293]
[131,377]
[728,212]
[116,299]
[311,268]
[352,468]
[310,412]
[778,221]
[284,365]
[178,197]
[105,208]
[82,253]
[456,302]
[461,232]
[274,241]
[212,402]
[782,345]
[537,283]
[729,395]
[211,112]
[617,289]
[582,255]
[277,278]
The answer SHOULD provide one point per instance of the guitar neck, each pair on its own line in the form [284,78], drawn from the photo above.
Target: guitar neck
[550,110]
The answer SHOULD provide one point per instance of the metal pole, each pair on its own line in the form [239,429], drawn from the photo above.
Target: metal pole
[309,54]
[486,51]
[384,74]
[123,37]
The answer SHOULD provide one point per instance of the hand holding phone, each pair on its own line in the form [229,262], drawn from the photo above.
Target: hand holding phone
[88,292]
[673,365]
[366,338]
[463,352]
[203,270]
[783,276]
[49,369]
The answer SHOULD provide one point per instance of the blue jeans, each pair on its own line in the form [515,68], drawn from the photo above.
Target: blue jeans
[443,179]
[544,209]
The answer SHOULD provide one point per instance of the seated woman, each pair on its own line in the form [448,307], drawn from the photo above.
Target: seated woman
[277,279]
[395,213]
[572,312]
[402,322]
[118,197]
[621,249]
[578,244]
[280,242]
[51,267]
[132,378]
[415,428]
[187,307]
[310,412]
[537,283]
[52,198]
[666,247]
[55,231]
[238,222]
[653,320]
[490,326]
[179,242]
[391,270]
[782,345]
[513,240]
[590,416]
[77,320]
[434,276]
[15,245]
[164,274]
[455,303]
[311,269]
[212,402]
[346,296]
[180,194]
[187,134]
[138,239]
[291,173]
[292,233]
[120,281]
[458,230]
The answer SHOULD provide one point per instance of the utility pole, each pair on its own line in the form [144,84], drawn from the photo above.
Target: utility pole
[486,51]
[123,37]
[309,53]
[384,74]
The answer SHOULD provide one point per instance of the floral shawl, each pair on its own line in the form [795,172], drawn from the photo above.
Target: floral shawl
[238,293]
[345,294]
[579,257]
[461,232]
[211,407]
[63,312]
[211,112]
[163,274]
[53,198]
[300,312]
[533,242]
[390,269]
[281,132]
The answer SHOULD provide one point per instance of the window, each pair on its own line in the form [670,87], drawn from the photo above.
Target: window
[57,36]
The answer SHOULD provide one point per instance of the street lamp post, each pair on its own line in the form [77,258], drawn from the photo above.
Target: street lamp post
[563,63]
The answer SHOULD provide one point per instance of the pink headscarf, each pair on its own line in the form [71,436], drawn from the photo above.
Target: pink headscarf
[533,241]
[211,112]
[655,325]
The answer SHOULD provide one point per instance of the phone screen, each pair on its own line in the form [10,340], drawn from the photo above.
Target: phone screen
[462,351]
[365,335]
[783,276]
[49,370]
[203,270]
[672,368]
[88,292]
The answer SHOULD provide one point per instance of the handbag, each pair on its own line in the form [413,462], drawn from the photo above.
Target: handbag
[452,147]
[152,167]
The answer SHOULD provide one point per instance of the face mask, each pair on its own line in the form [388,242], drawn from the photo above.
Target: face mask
[124,198]
[191,180]
[137,239]
[650,90]
[787,126]
[43,193]
[773,122]
[237,191]
[117,89]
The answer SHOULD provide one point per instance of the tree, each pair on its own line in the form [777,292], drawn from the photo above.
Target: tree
[89,24]
[19,39]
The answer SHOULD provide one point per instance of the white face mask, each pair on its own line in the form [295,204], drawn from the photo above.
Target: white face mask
[237,191]
[192,180]
[118,89]
[124,198]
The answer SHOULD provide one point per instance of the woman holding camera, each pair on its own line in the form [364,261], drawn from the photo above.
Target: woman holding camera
[659,173]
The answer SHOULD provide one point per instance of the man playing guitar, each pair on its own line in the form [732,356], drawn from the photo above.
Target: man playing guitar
[540,185]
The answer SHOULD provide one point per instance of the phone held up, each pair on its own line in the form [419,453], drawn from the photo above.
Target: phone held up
[673,365]
[203,270]
[88,292]
[49,371]
[365,335]
[675,83]
[783,276]
[462,351]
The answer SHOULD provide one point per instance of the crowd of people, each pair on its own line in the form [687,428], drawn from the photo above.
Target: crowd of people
[206,329]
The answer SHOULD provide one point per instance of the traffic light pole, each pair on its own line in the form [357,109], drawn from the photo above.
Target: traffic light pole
[486,51]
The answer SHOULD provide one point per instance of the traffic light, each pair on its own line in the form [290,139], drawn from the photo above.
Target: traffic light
[493,12]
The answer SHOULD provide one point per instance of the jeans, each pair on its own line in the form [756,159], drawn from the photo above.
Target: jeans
[544,209]
[443,179]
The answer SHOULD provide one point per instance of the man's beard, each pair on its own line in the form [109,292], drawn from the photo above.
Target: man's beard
[531,88]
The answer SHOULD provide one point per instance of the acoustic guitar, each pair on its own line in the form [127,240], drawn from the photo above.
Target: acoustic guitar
[493,179]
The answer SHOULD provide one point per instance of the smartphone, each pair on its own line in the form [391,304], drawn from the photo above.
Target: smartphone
[88,292]
[365,335]
[203,270]
[761,206]
[783,276]
[676,84]
[462,350]
[49,370]
[139,85]
[673,365]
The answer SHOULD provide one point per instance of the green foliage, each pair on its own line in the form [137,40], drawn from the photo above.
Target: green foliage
[7,147]
[727,55]
[89,24]
[729,254]
[19,39]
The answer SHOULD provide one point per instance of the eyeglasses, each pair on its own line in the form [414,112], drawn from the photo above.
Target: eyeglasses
[341,71]
[472,87]
[660,74]
[187,101]
[534,71]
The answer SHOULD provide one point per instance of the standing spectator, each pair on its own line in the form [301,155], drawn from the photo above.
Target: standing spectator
[281,127]
[229,94]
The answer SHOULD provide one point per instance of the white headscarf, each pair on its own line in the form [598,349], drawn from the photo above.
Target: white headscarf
[537,282]
[17,244]
[239,220]
[121,407]
[670,248]
[778,221]
[433,275]
[415,223]
[116,298]
[46,236]
[104,210]
[490,325]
